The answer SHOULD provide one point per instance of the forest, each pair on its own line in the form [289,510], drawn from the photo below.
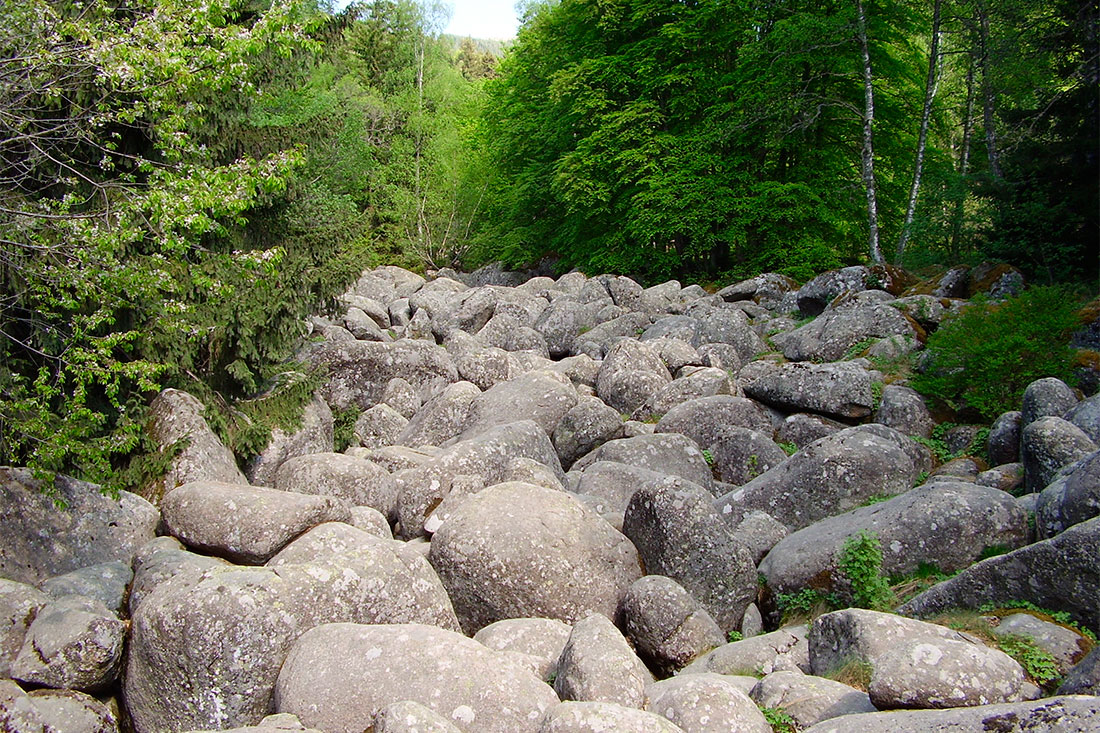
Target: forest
[182,183]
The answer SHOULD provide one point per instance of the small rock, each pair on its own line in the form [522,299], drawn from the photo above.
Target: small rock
[598,665]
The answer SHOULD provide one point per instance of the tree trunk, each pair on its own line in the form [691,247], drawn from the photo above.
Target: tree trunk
[988,97]
[930,87]
[964,161]
[868,137]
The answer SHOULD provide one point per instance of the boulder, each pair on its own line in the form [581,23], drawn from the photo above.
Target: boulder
[1048,444]
[206,648]
[1086,415]
[315,435]
[598,340]
[631,373]
[53,711]
[597,717]
[903,409]
[1003,443]
[665,453]
[840,390]
[809,699]
[706,703]
[703,418]
[358,371]
[379,426]
[803,428]
[700,382]
[401,396]
[357,481]
[542,396]
[785,649]
[73,643]
[767,289]
[517,550]
[563,322]
[1084,678]
[832,475]
[19,604]
[464,682]
[1065,645]
[441,418]
[176,423]
[945,673]
[598,665]
[587,425]
[728,325]
[1061,573]
[946,524]
[1063,714]
[679,534]
[407,716]
[485,366]
[106,583]
[850,321]
[363,327]
[42,539]
[162,559]
[540,638]
[611,483]
[486,457]
[738,455]
[683,328]
[246,524]
[1070,499]
[1048,397]
[760,532]
[667,627]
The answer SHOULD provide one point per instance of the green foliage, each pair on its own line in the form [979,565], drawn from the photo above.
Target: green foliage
[734,635]
[1061,617]
[985,355]
[343,427]
[860,563]
[789,448]
[858,348]
[876,395]
[993,551]
[708,456]
[805,602]
[779,720]
[1037,662]
[877,499]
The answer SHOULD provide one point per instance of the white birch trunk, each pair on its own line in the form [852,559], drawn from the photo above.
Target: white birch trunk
[868,138]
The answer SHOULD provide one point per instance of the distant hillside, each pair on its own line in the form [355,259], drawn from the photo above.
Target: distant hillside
[495,46]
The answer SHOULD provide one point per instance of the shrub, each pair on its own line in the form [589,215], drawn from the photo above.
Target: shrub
[860,562]
[984,356]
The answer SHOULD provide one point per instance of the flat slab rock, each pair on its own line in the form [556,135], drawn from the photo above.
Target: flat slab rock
[1066,714]
[467,683]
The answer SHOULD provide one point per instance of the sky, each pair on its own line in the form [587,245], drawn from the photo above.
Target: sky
[483,18]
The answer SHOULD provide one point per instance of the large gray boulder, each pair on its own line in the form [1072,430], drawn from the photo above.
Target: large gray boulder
[915,664]
[610,484]
[43,539]
[843,325]
[358,371]
[667,627]
[841,390]
[355,480]
[903,409]
[106,583]
[1086,415]
[823,289]
[517,550]
[488,457]
[596,717]
[176,423]
[702,419]
[693,383]
[563,322]
[246,524]
[53,711]
[666,453]
[785,649]
[738,455]
[19,604]
[1084,678]
[1003,444]
[539,639]
[809,699]
[630,374]
[1061,573]
[161,559]
[598,665]
[1048,444]
[73,643]
[314,435]
[706,703]
[832,475]
[542,396]
[1070,499]
[679,534]
[206,648]
[407,716]
[464,682]
[441,418]
[1067,646]
[946,524]
[587,425]
[379,426]
[1047,397]
[1061,714]
[729,325]
[767,289]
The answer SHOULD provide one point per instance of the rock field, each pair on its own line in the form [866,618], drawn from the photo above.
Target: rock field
[579,505]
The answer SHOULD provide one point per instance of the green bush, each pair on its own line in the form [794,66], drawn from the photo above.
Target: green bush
[984,356]
[860,562]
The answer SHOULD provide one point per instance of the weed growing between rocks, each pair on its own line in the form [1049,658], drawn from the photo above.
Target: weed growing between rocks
[909,586]
[860,562]
[1061,618]
[779,720]
[805,605]
[343,427]
[854,673]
